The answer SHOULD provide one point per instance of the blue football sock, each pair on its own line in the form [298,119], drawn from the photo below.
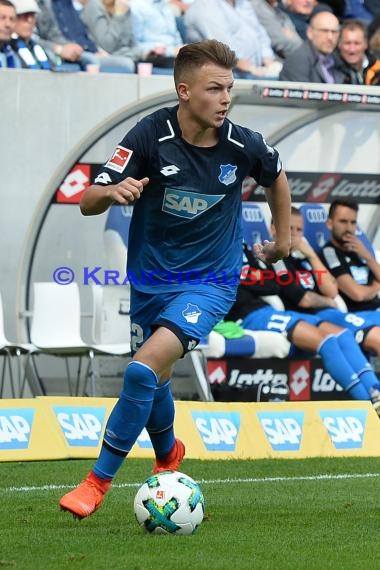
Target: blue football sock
[160,422]
[358,361]
[127,419]
[339,368]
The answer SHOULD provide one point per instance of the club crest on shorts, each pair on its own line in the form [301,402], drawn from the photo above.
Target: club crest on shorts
[227,174]
[192,313]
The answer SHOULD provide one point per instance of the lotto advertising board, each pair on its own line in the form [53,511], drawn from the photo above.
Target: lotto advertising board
[271,380]
[304,186]
[63,428]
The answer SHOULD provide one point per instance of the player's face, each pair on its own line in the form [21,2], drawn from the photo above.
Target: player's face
[208,95]
[296,226]
[343,223]
[7,22]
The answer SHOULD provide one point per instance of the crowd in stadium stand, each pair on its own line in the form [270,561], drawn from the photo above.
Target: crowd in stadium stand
[330,41]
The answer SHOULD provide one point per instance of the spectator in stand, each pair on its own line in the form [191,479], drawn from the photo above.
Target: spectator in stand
[337,7]
[300,12]
[374,44]
[179,8]
[278,25]
[313,61]
[373,6]
[66,55]
[352,47]
[373,27]
[31,53]
[8,58]
[110,24]
[156,33]
[358,10]
[235,23]
[65,37]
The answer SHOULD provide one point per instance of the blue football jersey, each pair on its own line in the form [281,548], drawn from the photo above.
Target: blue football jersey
[186,226]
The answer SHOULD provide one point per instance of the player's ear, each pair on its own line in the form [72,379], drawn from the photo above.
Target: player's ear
[329,224]
[183,91]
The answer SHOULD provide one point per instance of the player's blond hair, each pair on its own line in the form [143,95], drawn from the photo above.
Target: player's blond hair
[195,55]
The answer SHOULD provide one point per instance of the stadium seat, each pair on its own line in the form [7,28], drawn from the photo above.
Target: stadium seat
[255,229]
[316,231]
[55,327]
[8,350]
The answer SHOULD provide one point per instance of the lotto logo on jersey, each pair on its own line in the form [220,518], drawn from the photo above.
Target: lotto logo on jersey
[15,428]
[345,427]
[119,159]
[81,425]
[283,430]
[218,430]
[188,204]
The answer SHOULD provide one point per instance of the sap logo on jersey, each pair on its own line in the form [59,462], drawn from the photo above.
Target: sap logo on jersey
[81,425]
[15,428]
[218,430]
[345,427]
[282,429]
[143,441]
[188,204]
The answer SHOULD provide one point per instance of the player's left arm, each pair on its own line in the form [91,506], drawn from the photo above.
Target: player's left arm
[279,200]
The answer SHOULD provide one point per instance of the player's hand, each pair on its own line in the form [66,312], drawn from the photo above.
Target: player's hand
[127,191]
[354,244]
[270,252]
[301,244]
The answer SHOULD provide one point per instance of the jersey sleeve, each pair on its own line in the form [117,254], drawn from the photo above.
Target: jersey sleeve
[334,261]
[266,163]
[130,157]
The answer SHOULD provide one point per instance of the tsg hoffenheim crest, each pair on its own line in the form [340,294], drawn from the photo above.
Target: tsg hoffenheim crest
[227,174]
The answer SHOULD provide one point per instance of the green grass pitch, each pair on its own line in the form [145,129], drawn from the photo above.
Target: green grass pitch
[268,514]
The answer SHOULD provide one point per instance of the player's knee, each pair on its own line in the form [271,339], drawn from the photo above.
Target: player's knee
[139,379]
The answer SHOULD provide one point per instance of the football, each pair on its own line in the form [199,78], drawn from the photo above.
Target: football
[169,503]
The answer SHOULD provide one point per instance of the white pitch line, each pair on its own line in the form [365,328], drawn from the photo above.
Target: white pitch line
[322,477]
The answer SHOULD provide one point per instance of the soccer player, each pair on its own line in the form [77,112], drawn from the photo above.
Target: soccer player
[319,288]
[351,263]
[183,169]
[336,346]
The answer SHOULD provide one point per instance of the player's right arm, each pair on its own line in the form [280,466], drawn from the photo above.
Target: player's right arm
[356,291]
[97,199]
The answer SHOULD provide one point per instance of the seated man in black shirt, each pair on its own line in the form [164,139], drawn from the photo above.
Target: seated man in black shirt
[340,353]
[318,289]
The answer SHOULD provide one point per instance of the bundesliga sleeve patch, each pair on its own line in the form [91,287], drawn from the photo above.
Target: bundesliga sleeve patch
[119,159]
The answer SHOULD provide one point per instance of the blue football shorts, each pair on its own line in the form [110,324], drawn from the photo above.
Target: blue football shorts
[268,319]
[190,315]
[360,320]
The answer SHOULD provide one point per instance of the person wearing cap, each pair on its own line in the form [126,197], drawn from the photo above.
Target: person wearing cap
[31,53]
[8,58]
